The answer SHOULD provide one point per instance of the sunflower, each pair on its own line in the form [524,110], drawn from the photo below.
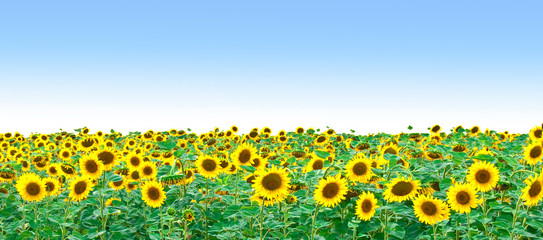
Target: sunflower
[80,187]
[533,153]
[331,191]
[90,166]
[52,186]
[208,166]
[234,129]
[244,154]
[109,202]
[320,140]
[435,129]
[536,133]
[108,157]
[401,189]
[31,187]
[152,194]
[133,160]
[483,175]
[260,200]
[53,169]
[366,205]
[272,183]
[188,215]
[430,210]
[87,144]
[65,154]
[118,185]
[131,186]
[299,130]
[148,170]
[533,193]
[259,163]
[359,169]
[475,130]
[134,175]
[316,163]
[462,197]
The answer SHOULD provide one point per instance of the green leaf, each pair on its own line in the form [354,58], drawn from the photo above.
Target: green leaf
[116,178]
[445,184]
[322,154]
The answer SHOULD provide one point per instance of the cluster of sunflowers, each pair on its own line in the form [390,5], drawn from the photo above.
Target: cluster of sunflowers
[300,184]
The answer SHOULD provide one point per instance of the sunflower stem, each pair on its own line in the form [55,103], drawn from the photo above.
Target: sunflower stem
[386,224]
[485,212]
[469,227]
[206,203]
[36,219]
[261,219]
[435,233]
[313,230]
[161,224]
[515,216]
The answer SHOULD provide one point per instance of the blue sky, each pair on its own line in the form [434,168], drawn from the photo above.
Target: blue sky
[372,66]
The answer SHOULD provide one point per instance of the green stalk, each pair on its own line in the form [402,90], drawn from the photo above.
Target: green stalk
[313,230]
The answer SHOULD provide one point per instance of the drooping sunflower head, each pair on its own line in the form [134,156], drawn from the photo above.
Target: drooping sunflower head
[365,206]
[153,194]
[401,189]
[80,187]
[87,144]
[359,169]
[272,183]
[533,192]
[90,166]
[31,187]
[430,210]
[208,166]
[68,170]
[483,175]
[331,191]
[462,197]
[244,154]
[533,153]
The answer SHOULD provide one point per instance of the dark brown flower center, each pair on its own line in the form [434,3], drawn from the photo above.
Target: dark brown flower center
[244,156]
[135,175]
[366,205]
[318,164]
[87,143]
[402,188]
[321,139]
[135,161]
[153,193]
[53,170]
[360,169]
[391,151]
[429,208]
[33,189]
[65,154]
[463,198]
[147,170]
[118,183]
[535,152]
[482,176]
[91,166]
[538,133]
[80,187]
[330,190]
[436,128]
[535,189]
[272,181]
[209,165]
[106,157]
[49,186]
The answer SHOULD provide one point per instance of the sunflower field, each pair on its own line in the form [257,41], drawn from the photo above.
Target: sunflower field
[462,183]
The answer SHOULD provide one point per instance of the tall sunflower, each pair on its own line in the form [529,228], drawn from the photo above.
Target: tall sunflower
[430,210]
[483,175]
[316,163]
[331,191]
[31,187]
[153,194]
[536,133]
[462,197]
[435,129]
[365,206]
[401,189]
[133,160]
[533,193]
[533,153]
[90,166]
[272,183]
[359,169]
[80,187]
[208,166]
[244,154]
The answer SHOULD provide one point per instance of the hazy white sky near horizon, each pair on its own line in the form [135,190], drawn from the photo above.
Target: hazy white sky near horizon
[372,67]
